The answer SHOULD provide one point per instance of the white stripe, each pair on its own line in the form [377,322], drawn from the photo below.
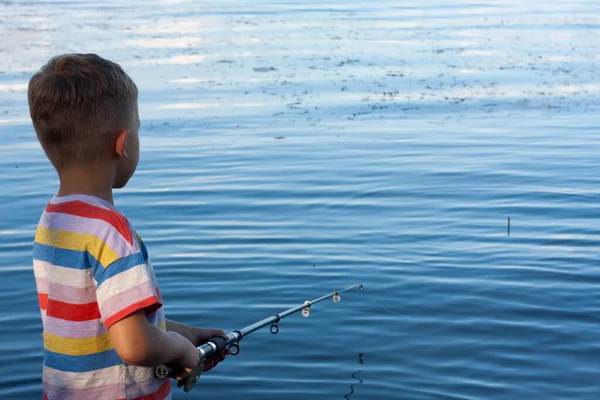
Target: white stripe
[82,380]
[42,284]
[139,374]
[41,269]
[100,377]
[74,329]
[151,272]
[79,278]
[121,282]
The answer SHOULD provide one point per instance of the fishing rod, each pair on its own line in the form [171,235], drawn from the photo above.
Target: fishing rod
[217,345]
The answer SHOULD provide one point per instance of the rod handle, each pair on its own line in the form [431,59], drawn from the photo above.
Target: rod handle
[221,344]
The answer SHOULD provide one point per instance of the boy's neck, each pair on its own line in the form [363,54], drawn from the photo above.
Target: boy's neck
[90,180]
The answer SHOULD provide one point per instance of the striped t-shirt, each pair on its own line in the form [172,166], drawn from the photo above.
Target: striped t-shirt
[92,270]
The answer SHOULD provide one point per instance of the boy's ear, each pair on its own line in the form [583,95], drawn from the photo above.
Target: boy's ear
[121,143]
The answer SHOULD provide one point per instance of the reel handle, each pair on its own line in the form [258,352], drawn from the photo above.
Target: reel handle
[215,345]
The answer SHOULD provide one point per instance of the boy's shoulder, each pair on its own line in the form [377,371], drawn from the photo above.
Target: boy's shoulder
[86,223]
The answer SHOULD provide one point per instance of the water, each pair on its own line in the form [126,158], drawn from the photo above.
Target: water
[292,148]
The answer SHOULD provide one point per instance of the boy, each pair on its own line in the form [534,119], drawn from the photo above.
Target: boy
[104,324]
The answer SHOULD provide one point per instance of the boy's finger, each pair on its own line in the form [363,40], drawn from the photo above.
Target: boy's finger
[220,333]
[224,354]
[210,364]
[182,376]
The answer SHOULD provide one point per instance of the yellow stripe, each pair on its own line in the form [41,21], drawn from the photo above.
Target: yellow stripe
[162,325]
[77,346]
[78,242]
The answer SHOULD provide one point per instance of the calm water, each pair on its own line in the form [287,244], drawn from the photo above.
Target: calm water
[292,148]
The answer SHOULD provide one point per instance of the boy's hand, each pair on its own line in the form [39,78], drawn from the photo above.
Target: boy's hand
[203,335]
[189,358]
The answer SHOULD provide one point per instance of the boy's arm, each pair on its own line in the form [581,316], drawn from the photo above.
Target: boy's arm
[184,330]
[139,343]
[198,336]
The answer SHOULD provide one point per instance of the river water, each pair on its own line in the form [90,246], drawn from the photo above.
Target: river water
[293,148]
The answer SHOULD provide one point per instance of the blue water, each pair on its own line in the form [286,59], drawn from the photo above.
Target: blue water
[294,148]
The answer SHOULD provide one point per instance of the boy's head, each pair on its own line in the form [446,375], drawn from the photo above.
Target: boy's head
[84,111]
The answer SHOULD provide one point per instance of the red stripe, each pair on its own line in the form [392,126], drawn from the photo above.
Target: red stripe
[43,299]
[162,392]
[82,209]
[151,304]
[44,396]
[72,312]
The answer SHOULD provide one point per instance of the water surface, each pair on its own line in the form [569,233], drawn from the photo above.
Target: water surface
[293,148]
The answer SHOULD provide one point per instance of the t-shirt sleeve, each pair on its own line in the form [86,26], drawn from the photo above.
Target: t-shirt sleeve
[124,287]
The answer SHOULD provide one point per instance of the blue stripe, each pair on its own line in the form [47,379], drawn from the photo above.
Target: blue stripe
[91,362]
[84,260]
[121,265]
[144,250]
[64,257]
